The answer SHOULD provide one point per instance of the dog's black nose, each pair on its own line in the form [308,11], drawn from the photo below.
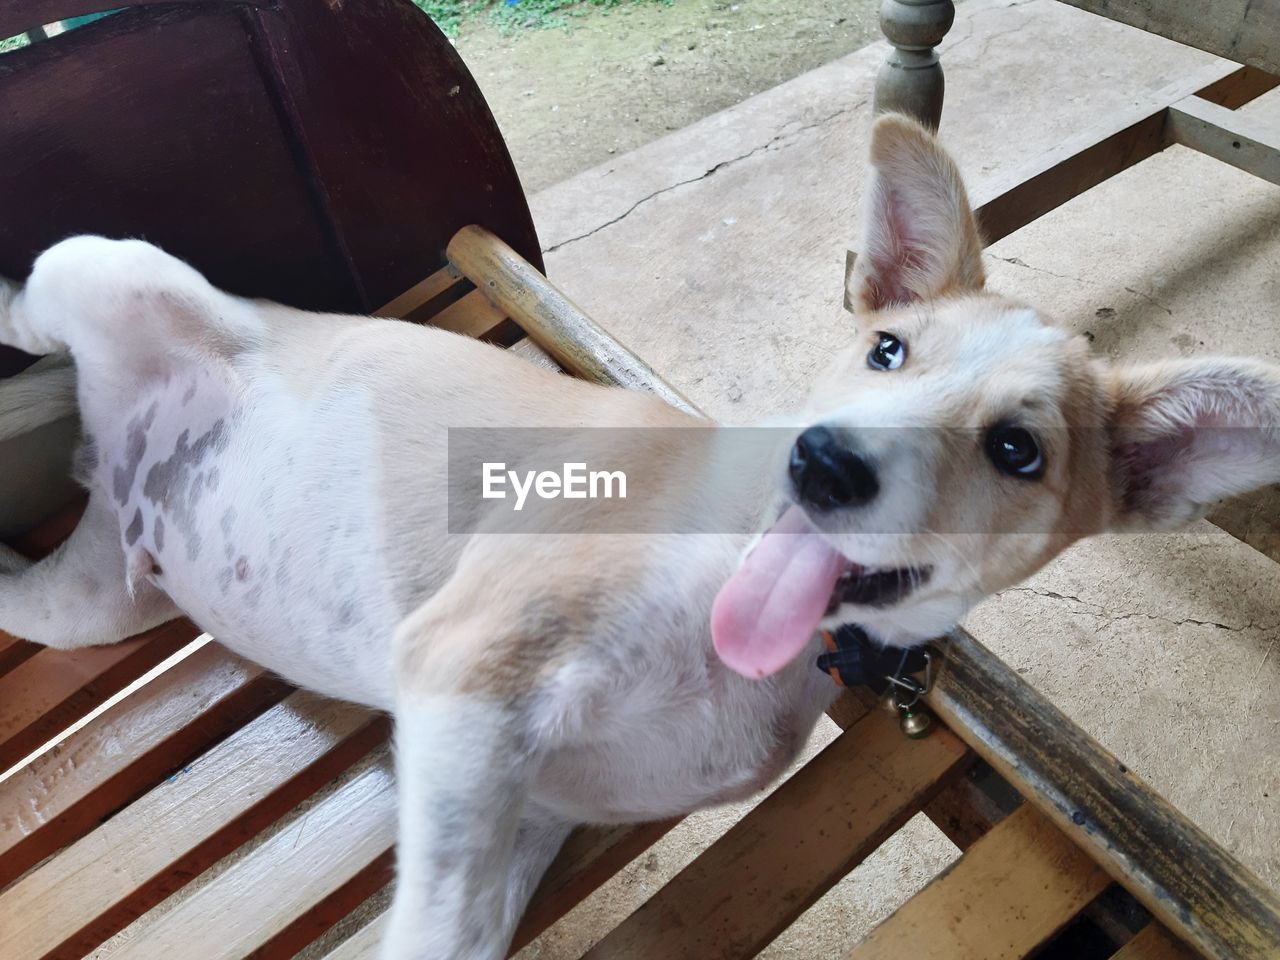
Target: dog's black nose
[826,474]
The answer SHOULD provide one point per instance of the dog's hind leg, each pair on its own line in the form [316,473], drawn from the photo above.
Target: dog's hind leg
[81,594]
[126,310]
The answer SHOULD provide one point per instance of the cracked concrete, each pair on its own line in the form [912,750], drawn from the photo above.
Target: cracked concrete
[1082,280]
[778,138]
[1162,647]
[1111,617]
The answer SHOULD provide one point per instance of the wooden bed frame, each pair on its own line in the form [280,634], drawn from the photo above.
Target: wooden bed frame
[198,762]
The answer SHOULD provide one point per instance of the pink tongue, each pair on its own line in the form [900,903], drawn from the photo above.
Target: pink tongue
[767,612]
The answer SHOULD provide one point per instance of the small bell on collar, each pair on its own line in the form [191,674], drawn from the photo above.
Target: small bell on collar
[915,723]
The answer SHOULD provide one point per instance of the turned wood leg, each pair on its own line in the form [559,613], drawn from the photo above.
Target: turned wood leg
[911,79]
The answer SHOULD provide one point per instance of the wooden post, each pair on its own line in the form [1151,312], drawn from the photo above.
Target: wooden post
[911,80]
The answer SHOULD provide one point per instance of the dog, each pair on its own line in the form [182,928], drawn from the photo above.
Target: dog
[280,477]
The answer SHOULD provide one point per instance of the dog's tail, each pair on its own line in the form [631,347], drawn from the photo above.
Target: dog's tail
[35,398]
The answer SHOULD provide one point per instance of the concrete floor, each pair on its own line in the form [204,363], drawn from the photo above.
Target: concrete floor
[717,254]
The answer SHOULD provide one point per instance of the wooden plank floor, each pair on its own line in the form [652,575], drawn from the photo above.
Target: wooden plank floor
[67,791]
[792,847]
[91,889]
[1004,897]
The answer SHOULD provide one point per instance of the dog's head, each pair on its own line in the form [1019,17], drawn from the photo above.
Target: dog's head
[963,441]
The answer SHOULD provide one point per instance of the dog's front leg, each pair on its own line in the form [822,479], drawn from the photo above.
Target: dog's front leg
[462,765]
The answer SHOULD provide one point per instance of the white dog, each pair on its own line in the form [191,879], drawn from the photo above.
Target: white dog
[280,477]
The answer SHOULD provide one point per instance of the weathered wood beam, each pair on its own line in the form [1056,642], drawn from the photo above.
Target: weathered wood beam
[1245,31]
[1187,881]
[554,321]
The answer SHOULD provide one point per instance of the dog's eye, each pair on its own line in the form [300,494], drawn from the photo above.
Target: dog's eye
[1014,451]
[888,353]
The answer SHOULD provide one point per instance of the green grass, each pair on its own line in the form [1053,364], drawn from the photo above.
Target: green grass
[524,14]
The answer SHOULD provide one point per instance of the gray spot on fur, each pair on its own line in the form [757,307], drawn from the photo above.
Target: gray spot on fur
[211,481]
[346,614]
[134,530]
[134,450]
[191,393]
[169,483]
[242,568]
[224,580]
[159,534]
[228,518]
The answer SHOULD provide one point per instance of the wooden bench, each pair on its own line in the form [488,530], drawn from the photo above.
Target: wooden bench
[178,786]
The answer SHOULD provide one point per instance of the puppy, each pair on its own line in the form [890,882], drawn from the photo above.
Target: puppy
[281,477]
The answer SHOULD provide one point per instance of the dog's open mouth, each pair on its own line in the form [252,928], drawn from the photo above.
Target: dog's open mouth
[876,588]
[768,611]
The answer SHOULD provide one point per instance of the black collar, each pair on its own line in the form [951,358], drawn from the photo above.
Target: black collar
[853,659]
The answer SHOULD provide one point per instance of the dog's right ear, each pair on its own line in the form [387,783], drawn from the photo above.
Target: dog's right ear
[919,236]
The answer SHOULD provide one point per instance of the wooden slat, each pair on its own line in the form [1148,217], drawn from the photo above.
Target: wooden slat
[559,326]
[427,297]
[965,812]
[1248,141]
[1093,157]
[14,651]
[65,792]
[1154,942]
[364,944]
[1186,880]
[287,891]
[45,694]
[99,884]
[746,888]
[1245,31]
[1008,894]
[472,316]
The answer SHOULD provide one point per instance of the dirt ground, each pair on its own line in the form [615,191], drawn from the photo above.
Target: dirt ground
[567,98]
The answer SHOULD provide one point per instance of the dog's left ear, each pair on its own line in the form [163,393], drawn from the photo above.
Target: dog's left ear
[919,236]
[1187,434]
